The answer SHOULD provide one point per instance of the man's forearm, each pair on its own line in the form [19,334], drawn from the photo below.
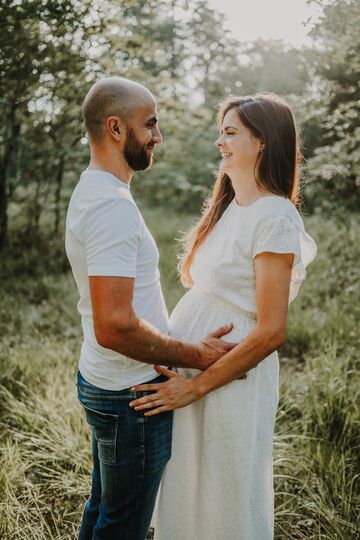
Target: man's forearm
[141,341]
[236,363]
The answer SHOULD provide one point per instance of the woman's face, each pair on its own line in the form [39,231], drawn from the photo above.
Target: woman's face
[238,146]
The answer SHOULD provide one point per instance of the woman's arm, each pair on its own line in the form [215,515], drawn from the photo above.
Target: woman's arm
[272,275]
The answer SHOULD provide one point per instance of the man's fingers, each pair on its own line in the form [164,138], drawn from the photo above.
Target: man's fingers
[222,331]
[229,346]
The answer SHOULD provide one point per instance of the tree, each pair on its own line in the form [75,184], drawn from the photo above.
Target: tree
[272,66]
[42,46]
[186,162]
[335,166]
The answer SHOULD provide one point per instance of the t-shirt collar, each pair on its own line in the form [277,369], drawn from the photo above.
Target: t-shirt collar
[108,175]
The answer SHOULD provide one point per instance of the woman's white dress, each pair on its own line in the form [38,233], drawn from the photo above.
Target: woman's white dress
[218,484]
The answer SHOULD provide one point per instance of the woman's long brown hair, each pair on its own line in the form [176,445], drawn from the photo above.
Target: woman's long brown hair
[271,120]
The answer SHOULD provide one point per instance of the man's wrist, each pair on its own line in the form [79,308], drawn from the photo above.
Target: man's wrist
[193,356]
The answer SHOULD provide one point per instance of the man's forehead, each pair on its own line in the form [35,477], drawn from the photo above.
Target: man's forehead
[146,111]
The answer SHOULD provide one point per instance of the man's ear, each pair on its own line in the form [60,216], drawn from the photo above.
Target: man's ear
[114,127]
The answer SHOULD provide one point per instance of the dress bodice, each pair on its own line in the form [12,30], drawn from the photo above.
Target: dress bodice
[223,265]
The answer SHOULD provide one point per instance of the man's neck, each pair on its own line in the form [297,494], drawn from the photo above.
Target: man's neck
[116,166]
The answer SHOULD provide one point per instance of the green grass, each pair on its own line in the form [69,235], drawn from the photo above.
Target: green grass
[44,442]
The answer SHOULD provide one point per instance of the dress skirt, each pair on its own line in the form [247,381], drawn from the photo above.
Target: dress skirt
[219,481]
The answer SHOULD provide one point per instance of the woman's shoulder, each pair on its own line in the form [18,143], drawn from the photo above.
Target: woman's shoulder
[281,230]
[273,207]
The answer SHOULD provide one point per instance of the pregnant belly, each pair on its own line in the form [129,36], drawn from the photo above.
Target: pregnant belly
[196,315]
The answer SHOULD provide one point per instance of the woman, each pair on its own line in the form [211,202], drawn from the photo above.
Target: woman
[244,262]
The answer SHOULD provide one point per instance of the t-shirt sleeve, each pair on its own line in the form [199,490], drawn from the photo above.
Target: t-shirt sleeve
[111,234]
[283,235]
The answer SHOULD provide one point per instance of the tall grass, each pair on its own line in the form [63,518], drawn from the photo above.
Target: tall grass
[44,442]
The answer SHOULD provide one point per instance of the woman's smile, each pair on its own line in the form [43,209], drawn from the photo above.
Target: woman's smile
[226,155]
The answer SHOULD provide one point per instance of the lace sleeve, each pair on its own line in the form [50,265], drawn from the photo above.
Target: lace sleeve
[282,235]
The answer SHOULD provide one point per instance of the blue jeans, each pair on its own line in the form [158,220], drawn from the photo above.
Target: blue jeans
[130,452]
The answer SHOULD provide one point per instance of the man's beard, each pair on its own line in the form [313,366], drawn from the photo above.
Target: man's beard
[136,155]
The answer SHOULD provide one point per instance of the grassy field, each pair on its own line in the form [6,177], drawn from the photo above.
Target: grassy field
[45,450]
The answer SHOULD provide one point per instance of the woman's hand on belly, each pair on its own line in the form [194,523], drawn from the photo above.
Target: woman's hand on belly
[175,393]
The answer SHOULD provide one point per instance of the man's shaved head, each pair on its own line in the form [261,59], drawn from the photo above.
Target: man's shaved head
[113,96]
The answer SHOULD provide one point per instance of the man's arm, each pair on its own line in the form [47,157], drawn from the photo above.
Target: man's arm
[117,327]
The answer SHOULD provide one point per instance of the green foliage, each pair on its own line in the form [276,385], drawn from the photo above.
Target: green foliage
[51,52]
[330,291]
[335,166]
[272,66]
[316,446]
[316,449]
[44,74]
[179,179]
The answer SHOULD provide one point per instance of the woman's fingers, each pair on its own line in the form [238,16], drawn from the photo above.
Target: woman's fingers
[175,393]
[146,387]
[158,410]
[149,405]
[144,400]
[167,372]
[151,387]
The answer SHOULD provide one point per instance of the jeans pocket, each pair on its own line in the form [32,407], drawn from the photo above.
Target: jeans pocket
[105,427]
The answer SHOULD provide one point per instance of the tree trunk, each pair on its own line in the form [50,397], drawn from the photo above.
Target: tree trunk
[59,182]
[3,206]
[10,143]
[37,207]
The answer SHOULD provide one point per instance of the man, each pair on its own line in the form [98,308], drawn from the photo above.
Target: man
[125,323]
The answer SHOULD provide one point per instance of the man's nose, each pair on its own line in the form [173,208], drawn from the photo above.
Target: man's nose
[157,137]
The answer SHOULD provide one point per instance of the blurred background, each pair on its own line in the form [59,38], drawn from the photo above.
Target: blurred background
[190,54]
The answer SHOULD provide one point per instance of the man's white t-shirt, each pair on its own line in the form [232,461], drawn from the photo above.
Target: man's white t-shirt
[106,236]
